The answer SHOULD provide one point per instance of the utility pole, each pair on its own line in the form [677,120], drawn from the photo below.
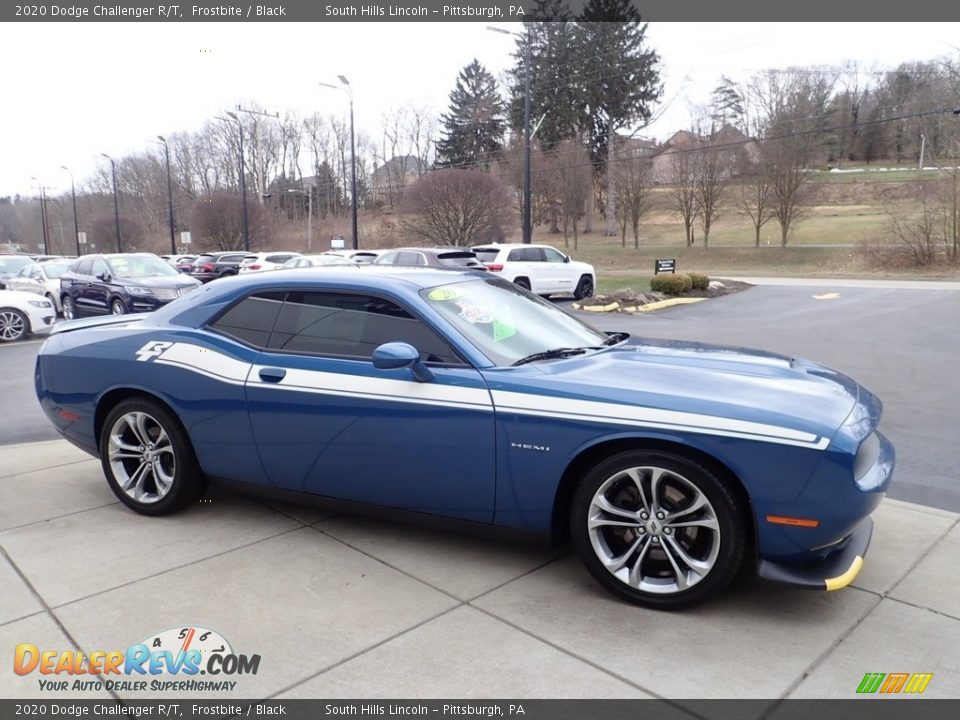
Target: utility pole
[73,195]
[166,151]
[116,200]
[43,214]
[353,158]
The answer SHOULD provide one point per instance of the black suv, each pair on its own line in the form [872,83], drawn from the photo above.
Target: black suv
[120,283]
[211,266]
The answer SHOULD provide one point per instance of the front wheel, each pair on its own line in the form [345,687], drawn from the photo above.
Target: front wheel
[148,460]
[14,325]
[69,309]
[117,307]
[657,529]
[584,288]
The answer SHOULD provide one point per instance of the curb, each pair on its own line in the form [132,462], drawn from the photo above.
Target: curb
[649,307]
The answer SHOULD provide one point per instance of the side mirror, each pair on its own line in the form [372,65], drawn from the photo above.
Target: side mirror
[566,258]
[105,277]
[395,355]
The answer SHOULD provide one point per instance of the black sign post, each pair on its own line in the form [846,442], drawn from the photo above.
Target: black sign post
[665,265]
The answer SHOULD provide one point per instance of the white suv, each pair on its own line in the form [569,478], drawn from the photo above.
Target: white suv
[539,268]
[258,262]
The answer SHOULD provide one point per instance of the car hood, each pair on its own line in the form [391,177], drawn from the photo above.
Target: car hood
[697,387]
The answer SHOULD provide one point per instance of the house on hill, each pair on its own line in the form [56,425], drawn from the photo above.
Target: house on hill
[741,151]
[389,180]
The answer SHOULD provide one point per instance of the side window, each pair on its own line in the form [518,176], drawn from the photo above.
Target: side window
[353,326]
[409,258]
[99,267]
[37,274]
[278,258]
[388,258]
[533,255]
[552,255]
[27,271]
[231,258]
[252,319]
[84,267]
[517,255]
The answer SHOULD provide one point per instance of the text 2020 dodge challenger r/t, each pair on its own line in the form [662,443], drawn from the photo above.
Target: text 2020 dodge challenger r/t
[456,395]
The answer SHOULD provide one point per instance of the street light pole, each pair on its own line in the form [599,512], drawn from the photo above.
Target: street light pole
[243,181]
[116,201]
[166,151]
[527,185]
[353,159]
[43,214]
[73,195]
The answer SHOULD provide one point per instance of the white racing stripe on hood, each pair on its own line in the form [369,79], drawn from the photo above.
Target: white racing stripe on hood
[618,414]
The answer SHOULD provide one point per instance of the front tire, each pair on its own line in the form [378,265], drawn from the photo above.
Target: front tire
[148,460]
[117,307]
[584,288]
[14,325]
[658,529]
[69,309]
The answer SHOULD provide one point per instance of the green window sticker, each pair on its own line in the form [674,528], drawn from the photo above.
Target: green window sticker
[443,294]
[502,330]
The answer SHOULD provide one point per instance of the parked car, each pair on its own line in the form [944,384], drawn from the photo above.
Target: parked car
[361,257]
[10,265]
[306,261]
[461,395]
[41,278]
[185,264]
[23,314]
[438,257]
[258,262]
[211,266]
[120,283]
[176,261]
[539,268]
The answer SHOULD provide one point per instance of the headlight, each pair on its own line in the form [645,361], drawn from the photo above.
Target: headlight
[139,291]
[40,303]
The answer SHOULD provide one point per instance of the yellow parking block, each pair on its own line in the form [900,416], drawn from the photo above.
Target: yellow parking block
[649,307]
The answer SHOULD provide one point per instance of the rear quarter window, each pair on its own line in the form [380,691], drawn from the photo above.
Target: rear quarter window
[252,319]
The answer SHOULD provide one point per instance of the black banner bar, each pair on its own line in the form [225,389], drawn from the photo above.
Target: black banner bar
[856,709]
[855,11]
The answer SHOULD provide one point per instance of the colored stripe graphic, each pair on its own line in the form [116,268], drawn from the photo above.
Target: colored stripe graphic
[870,682]
[893,683]
[918,682]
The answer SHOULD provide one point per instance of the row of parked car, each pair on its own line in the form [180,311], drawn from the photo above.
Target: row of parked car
[33,290]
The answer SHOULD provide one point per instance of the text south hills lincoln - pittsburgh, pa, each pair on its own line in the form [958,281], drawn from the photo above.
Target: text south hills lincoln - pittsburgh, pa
[464,10]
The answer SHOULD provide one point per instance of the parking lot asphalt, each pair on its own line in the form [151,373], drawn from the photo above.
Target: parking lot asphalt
[342,606]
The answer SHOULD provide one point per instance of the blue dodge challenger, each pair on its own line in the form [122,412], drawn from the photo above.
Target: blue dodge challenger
[454,395]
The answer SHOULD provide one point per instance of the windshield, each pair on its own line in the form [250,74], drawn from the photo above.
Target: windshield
[11,265]
[140,266]
[458,258]
[56,268]
[507,323]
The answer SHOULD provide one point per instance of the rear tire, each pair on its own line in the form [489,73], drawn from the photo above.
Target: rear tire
[522,282]
[658,529]
[148,459]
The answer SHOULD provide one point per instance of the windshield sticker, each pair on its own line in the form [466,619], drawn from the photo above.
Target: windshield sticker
[442,294]
[474,314]
[502,330]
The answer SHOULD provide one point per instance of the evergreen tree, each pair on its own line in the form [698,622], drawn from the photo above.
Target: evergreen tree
[556,93]
[727,105]
[473,127]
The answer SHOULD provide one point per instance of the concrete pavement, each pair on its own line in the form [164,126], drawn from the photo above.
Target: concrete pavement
[342,606]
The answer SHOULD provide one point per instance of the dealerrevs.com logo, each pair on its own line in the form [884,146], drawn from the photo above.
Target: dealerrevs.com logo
[186,659]
[894,683]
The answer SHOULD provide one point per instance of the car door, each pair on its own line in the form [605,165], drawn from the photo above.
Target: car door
[96,293]
[327,422]
[557,271]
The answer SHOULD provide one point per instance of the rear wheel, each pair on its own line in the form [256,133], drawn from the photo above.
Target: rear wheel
[148,460]
[522,282]
[658,529]
[14,325]
[69,309]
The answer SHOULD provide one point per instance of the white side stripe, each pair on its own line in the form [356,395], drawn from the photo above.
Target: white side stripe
[223,368]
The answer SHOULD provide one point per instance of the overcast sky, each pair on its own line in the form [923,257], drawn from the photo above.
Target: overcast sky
[72,91]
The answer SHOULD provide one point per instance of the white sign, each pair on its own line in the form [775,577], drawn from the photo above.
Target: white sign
[184,238]
[83,237]
[336,243]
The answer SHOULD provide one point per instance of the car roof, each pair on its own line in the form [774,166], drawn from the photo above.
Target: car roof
[432,250]
[507,246]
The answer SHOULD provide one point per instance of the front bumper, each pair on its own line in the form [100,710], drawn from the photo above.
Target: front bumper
[834,572]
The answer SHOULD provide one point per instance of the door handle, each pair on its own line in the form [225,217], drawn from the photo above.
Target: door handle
[272,374]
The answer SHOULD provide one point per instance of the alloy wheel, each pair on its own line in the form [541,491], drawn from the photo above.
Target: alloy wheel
[141,457]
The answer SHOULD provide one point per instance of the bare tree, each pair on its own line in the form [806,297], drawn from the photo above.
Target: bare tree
[756,198]
[683,190]
[457,207]
[788,161]
[572,186]
[218,221]
[634,187]
[711,170]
